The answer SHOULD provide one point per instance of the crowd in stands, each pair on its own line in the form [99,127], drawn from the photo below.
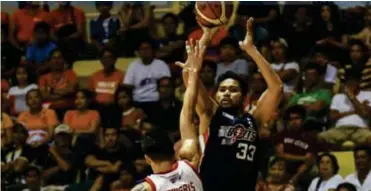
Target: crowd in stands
[57,134]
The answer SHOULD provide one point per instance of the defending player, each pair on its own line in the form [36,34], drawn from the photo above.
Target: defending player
[171,175]
[230,159]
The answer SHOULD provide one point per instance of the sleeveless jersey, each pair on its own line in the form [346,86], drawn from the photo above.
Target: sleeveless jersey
[230,160]
[183,177]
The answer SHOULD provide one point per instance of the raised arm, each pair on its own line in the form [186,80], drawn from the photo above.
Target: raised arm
[190,149]
[270,99]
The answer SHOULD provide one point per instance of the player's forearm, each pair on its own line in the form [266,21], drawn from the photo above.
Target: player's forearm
[270,76]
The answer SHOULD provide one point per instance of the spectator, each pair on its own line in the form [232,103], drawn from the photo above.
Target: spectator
[258,86]
[23,85]
[10,56]
[361,179]
[328,178]
[351,112]
[126,181]
[83,119]
[171,45]
[33,178]
[296,146]
[143,74]
[130,113]
[23,21]
[107,161]
[314,98]
[59,163]
[328,71]
[106,81]
[103,29]
[359,64]
[39,121]
[346,187]
[277,177]
[229,50]
[166,111]
[59,85]
[287,70]
[365,34]
[18,157]
[208,76]
[7,126]
[69,24]
[39,51]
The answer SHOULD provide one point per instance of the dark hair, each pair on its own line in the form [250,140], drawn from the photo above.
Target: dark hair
[296,109]
[172,16]
[275,160]
[30,75]
[38,91]
[234,76]
[149,41]
[347,186]
[312,66]
[322,50]
[32,168]
[229,41]
[42,26]
[157,145]
[89,95]
[333,159]
[18,127]
[334,11]
[210,64]
[128,89]
[107,3]
[107,49]
[352,75]
[363,148]
[166,78]
[359,43]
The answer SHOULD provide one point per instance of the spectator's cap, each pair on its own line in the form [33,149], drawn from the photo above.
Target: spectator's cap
[32,168]
[62,129]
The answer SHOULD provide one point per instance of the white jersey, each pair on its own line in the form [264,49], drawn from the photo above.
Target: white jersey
[183,177]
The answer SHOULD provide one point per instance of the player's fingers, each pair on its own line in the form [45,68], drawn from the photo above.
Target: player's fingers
[197,48]
[188,47]
[203,50]
[180,64]
[192,44]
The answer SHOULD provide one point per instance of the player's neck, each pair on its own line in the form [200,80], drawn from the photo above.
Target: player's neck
[234,111]
[163,167]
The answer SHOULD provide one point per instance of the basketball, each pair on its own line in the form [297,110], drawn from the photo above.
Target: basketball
[213,13]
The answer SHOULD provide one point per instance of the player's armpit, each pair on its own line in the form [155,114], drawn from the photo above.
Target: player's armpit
[190,151]
[142,187]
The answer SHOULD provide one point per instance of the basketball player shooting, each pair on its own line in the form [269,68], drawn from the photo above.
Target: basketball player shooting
[179,175]
[230,159]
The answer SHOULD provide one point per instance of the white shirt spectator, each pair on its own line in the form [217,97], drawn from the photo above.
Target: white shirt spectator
[20,96]
[326,185]
[341,103]
[353,179]
[144,78]
[239,66]
[331,74]
[287,87]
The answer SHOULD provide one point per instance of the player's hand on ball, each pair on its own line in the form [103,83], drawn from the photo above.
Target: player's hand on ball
[248,43]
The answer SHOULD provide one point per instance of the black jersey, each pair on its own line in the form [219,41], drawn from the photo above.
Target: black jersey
[230,159]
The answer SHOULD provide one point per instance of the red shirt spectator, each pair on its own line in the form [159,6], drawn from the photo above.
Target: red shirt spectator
[4,18]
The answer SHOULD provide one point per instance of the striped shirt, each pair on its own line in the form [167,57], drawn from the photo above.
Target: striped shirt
[364,71]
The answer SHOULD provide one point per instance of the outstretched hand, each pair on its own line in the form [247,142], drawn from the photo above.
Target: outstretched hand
[195,53]
[248,43]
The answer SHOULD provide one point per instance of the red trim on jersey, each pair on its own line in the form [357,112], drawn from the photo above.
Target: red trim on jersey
[206,137]
[150,182]
[193,168]
[174,167]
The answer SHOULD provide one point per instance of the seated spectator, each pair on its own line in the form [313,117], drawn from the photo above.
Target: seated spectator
[359,64]
[166,111]
[38,53]
[346,187]
[126,181]
[229,61]
[328,178]
[258,86]
[296,146]
[328,71]
[83,119]
[58,165]
[59,85]
[10,56]
[171,45]
[361,179]
[106,81]
[23,85]
[33,178]
[288,70]
[143,74]
[39,121]
[365,34]
[351,112]
[23,22]
[137,20]
[314,98]
[107,161]
[277,177]
[130,113]
[69,24]
[16,159]
[103,29]
[7,126]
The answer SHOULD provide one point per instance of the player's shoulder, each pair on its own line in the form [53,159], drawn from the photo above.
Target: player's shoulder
[144,186]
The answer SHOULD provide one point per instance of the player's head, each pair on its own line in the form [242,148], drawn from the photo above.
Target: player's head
[328,165]
[362,158]
[231,90]
[157,147]
[277,169]
[295,116]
